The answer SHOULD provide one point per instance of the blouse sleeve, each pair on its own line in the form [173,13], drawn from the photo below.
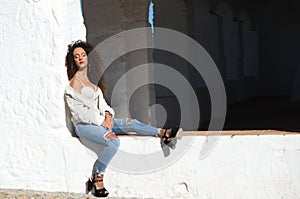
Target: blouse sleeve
[82,112]
[103,106]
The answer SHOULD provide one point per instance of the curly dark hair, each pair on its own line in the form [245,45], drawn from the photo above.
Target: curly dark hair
[70,63]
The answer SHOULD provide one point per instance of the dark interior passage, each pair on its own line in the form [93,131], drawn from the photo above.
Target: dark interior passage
[278,113]
[255,45]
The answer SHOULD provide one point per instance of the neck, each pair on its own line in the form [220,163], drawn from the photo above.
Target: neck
[82,72]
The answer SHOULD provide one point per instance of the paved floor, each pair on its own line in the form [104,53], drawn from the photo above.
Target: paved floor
[27,194]
[22,194]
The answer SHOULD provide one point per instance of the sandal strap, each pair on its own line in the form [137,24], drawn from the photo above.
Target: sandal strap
[174,132]
[96,180]
[165,134]
[165,138]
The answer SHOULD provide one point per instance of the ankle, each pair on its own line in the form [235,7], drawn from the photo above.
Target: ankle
[98,180]
[161,133]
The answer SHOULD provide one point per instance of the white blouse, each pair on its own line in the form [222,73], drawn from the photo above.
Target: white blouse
[87,107]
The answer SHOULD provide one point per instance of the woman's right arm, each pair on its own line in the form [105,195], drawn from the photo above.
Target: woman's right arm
[83,113]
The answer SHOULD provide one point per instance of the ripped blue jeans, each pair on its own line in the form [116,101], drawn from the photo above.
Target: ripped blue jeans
[97,134]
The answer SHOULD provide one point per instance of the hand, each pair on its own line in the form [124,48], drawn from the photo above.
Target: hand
[108,123]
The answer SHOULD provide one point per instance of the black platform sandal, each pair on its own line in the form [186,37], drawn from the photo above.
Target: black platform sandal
[176,133]
[91,187]
[102,192]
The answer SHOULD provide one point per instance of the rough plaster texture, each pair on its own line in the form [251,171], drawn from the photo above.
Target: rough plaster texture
[238,167]
[38,153]
[34,37]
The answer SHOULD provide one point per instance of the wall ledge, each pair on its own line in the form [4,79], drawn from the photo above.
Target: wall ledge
[264,166]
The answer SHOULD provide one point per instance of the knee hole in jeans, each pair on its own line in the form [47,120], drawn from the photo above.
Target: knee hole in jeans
[127,121]
[110,136]
[114,143]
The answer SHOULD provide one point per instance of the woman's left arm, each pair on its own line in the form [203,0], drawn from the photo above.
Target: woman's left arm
[104,107]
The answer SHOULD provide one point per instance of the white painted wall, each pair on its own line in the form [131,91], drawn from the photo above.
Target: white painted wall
[37,152]
[33,41]
[239,167]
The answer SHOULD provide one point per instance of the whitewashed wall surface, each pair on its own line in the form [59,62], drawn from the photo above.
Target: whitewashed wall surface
[37,152]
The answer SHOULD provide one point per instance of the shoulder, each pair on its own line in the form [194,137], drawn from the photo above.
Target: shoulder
[75,84]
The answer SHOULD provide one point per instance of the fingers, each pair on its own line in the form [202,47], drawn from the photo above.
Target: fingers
[108,127]
[111,135]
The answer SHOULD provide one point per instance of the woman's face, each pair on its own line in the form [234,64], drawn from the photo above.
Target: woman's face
[80,57]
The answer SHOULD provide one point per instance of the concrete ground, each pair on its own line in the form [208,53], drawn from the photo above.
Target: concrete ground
[28,194]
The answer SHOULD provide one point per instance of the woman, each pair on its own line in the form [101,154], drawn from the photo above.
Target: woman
[90,117]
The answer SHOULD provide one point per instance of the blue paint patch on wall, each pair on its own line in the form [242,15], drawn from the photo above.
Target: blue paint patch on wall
[81,5]
[151,15]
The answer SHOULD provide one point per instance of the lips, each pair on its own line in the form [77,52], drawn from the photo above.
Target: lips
[81,62]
